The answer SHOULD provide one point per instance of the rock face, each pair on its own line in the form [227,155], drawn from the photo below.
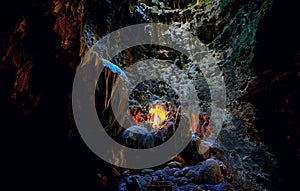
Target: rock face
[45,35]
[228,29]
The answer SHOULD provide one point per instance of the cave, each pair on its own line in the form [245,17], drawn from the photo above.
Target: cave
[217,81]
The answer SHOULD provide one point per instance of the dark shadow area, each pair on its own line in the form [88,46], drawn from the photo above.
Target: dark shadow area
[278,87]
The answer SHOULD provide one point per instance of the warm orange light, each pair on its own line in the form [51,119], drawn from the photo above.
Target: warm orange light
[157,115]
[194,123]
[137,116]
[205,126]
[195,126]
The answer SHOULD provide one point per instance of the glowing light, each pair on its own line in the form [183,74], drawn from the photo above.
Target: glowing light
[157,114]
[194,123]
[137,116]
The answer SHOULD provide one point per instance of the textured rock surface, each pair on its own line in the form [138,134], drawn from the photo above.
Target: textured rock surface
[42,43]
[47,36]
[200,176]
[209,172]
